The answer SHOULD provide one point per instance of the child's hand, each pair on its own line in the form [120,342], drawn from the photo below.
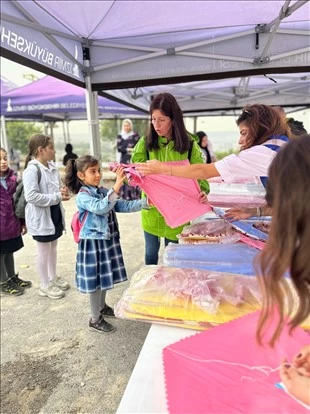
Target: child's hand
[65,193]
[120,177]
[23,230]
[296,384]
[302,361]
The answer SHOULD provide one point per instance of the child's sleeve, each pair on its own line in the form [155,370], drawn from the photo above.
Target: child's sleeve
[124,206]
[95,205]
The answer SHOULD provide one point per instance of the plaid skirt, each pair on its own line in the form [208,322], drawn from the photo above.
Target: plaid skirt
[99,264]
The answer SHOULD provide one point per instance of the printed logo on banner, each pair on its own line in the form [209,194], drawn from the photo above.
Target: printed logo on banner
[33,50]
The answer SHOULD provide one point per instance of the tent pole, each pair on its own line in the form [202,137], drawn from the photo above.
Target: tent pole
[4,141]
[64,132]
[92,109]
[68,130]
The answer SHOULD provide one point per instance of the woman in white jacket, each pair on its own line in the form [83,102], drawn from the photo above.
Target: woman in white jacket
[44,213]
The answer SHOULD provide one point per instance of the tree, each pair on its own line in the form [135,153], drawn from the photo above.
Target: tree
[18,134]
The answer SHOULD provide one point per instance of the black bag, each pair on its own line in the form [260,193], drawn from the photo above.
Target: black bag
[19,197]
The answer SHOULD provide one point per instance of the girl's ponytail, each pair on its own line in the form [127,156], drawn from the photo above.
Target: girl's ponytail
[28,158]
[71,179]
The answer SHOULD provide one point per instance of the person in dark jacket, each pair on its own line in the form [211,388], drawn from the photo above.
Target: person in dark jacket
[11,229]
[126,140]
[203,143]
[69,154]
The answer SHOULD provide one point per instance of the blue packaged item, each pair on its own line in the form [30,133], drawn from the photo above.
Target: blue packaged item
[230,258]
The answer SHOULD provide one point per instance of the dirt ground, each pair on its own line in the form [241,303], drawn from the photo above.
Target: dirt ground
[50,362]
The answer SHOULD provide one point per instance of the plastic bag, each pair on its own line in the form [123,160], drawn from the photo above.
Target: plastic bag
[211,231]
[187,297]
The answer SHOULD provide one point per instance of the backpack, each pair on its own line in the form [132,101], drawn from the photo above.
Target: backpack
[77,224]
[19,196]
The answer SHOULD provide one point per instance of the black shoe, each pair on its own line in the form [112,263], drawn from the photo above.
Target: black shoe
[10,288]
[107,311]
[101,326]
[21,283]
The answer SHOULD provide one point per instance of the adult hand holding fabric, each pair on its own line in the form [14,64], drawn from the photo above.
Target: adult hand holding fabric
[239,213]
[153,167]
[203,198]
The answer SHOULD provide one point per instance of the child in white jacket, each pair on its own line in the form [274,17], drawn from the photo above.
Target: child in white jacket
[44,214]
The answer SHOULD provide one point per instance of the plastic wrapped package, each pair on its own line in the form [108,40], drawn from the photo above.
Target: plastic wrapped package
[189,298]
[236,194]
[211,231]
[231,258]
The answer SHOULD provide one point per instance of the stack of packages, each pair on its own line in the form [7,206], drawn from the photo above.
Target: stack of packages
[189,298]
[207,278]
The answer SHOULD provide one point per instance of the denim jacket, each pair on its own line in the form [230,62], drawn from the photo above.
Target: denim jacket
[97,203]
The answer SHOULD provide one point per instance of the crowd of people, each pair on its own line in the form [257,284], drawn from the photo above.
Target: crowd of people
[269,153]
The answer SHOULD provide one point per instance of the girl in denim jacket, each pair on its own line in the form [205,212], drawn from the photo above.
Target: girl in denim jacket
[99,263]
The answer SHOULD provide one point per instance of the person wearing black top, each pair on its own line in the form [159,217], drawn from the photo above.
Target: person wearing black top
[69,154]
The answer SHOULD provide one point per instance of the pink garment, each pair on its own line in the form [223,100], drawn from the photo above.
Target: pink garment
[224,370]
[176,198]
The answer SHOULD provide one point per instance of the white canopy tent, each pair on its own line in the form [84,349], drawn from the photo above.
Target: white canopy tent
[113,45]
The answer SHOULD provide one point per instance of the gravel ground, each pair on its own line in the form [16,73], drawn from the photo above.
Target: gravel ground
[50,361]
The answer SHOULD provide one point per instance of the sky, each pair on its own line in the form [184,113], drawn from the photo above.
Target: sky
[216,126]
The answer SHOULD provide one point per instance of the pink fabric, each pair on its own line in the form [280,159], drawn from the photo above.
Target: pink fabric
[176,198]
[251,242]
[224,370]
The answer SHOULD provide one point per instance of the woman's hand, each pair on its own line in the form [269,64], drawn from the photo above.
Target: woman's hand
[239,213]
[302,361]
[296,384]
[151,167]
[23,229]
[203,198]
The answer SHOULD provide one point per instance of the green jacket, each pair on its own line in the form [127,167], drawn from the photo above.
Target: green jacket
[152,221]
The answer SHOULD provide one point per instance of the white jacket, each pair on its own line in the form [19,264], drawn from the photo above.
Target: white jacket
[40,196]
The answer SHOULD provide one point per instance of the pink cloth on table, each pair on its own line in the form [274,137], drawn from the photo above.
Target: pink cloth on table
[175,198]
[224,370]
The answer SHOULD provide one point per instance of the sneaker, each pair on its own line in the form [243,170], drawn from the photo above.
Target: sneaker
[107,311]
[52,291]
[21,283]
[60,283]
[9,288]
[101,326]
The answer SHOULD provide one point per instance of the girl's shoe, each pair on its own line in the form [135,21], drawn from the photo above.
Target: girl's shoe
[52,292]
[101,326]
[9,288]
[60,283]
[107,311]
[21,283]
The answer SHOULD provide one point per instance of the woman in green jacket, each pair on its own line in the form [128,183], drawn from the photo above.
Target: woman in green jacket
[167,140]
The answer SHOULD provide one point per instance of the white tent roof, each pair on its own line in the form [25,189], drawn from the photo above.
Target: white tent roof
[135,43]
[112,45]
